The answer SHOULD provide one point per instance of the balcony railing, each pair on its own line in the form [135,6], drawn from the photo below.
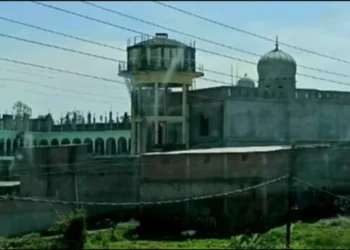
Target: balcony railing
[149,40]
[142,65]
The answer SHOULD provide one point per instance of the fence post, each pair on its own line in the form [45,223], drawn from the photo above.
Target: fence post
[290,196]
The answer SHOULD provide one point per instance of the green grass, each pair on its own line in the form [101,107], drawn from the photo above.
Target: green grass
[328,233]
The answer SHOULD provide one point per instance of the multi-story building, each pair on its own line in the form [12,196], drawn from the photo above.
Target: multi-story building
[108,138]
[270,112]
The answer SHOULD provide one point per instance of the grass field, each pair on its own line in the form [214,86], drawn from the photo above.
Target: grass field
[326,234]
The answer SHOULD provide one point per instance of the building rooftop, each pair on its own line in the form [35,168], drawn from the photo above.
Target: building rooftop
[7,158]
[258,149]
[9,183]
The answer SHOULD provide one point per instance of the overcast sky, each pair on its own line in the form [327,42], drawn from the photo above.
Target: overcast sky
[319,26]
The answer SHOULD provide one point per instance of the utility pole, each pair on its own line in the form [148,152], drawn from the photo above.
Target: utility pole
[290,196]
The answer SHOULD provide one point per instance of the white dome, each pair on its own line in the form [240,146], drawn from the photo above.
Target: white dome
[277,65]
[246,82]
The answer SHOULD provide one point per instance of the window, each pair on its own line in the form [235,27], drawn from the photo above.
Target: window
[244,157]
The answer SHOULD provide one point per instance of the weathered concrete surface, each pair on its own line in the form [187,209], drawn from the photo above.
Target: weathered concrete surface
[103,179]
[239,116]
[18,218]
[167,176]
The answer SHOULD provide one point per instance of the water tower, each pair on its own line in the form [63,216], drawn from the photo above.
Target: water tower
[159,72]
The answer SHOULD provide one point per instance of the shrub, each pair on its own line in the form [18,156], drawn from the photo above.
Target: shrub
[72,227]
[75,233]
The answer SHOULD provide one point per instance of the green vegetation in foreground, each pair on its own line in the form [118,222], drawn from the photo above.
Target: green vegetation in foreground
[328,233]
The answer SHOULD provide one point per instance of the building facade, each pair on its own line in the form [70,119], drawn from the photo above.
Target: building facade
[181,175]
[168,113]
[104,138]
[271,112]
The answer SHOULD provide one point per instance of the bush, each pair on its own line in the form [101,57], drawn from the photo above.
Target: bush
[73,229]
[30,241]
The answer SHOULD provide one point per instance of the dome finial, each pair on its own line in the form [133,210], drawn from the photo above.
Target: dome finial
[245,75]
[276,43]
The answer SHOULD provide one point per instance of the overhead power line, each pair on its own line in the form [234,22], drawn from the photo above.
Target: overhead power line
[60,48]
[87,17]
[166,28]
[61,34]
[94,77]
[77,93]
[60,70]
[60,95]
[86,40]
[114,60]
[30,73]
[204,39]
[76,51]
[207,51]
[249,33]
[58,88]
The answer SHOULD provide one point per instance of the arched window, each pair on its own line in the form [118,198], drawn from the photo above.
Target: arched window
[111,146]
[43,142]
[89,142]
[76,141]
[2,147]
[122,145]
[65,141]
[99,146]
[54,142]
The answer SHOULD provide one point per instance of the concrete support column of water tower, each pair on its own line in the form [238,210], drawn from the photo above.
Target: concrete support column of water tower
[156,113]
[133,136]
[184,115]
[139,124]
[133,125]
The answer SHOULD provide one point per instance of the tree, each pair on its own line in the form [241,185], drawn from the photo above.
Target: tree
[70,117]
[20,109]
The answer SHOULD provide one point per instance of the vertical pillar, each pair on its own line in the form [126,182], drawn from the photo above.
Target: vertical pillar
[144,135]
[264,191]
[5,147]
[164,132]
[226,198]
[133,133]
[139,138]
[93,146]
[156,110]
[139,123]
[184,115]
[107,149]
[134,104]
[165,114]
[11,148]
[188,189]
